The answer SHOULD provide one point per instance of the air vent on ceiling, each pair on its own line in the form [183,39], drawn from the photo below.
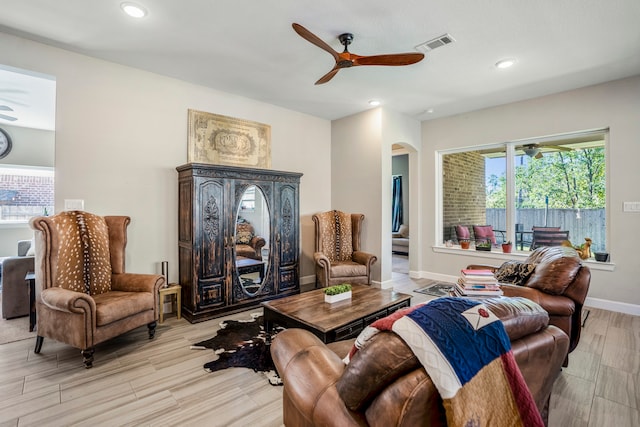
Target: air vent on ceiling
[440,41]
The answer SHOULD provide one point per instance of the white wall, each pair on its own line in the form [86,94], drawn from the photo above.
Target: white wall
[615,105]
[120,133]
[361,175]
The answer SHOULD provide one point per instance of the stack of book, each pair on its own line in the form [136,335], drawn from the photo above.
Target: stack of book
[477,283]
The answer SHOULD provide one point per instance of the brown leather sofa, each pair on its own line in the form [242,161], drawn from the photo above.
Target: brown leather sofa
[385,384]
[559,284]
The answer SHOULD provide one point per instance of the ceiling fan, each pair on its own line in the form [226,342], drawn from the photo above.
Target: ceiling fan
[347,59]
[533,150]
[4,116]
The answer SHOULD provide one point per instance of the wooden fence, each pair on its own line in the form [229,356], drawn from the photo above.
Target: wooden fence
[591,223]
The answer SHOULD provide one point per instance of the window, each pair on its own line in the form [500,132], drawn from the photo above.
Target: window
[248,202]
[25,192]
[556,182]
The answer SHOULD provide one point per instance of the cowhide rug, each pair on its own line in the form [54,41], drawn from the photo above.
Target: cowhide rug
[241,344]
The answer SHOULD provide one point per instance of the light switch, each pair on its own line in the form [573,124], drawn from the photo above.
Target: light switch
[631,207]
[73,204]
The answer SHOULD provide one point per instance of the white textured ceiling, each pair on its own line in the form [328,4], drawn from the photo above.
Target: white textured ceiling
[248,47]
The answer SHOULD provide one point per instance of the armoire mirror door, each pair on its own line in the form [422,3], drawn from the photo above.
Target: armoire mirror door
[252,243]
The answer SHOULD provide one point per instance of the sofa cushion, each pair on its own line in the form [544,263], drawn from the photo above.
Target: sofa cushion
[515,272]
[32,248]
[404,230]
[483,232]
[347,269]
[84,260]
[116,305]
[556,268]
[462,232]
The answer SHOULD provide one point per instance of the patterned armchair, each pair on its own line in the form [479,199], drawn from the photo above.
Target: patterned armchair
[83,295]
[337,254]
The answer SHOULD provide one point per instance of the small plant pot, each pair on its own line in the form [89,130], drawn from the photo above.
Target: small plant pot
[601,256]
[338,297]
[464,244]
[506,248]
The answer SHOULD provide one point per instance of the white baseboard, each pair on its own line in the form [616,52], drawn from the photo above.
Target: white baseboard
[620,307]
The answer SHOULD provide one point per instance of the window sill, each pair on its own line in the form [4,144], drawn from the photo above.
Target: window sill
[14,224]
[519,255]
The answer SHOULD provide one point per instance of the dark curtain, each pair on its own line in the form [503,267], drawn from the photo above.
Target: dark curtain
[396,214]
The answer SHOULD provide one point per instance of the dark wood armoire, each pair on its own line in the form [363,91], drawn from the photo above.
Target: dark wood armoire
[210,198]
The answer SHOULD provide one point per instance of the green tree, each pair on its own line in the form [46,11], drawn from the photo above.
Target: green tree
[573,179]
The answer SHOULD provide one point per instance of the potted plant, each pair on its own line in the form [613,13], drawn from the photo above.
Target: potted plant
[337,293]
[506,247]
[464,243]
[483,245]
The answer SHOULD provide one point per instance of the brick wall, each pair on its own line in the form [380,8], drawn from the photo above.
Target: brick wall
[23,196]
[463,190]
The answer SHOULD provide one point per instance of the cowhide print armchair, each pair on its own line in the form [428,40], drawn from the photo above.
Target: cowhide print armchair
[83,295]
[338,256]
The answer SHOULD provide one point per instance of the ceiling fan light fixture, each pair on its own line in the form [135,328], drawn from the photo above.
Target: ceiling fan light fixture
[505,63]
[133,10]
[531,151]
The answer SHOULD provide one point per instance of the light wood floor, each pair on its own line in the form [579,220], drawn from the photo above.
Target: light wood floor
[161,382]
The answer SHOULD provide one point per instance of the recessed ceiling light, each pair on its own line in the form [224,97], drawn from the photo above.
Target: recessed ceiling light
[430,111]
[505,63]
[133,10]
[374,103]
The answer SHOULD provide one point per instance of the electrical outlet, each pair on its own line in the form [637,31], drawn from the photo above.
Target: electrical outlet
[73,204]
[631,207]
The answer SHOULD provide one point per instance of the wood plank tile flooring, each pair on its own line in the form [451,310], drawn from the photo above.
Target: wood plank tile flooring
[161,382]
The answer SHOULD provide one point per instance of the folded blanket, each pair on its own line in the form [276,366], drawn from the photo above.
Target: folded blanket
[466,351]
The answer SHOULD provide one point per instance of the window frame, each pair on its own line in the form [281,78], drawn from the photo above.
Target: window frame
[43,171]
[510,149]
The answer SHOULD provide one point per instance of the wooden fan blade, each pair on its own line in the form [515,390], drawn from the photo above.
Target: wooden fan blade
[11,119]
[328,76]
[391,59]
[312,38]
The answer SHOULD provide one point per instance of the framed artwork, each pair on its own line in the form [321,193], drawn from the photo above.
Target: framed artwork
[223,140]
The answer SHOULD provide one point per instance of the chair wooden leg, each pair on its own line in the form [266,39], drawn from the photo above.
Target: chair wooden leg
[88,357]
[39,341]
[152,329]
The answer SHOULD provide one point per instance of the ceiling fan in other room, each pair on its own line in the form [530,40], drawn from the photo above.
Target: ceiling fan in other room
[347,59]
[534,150]
[4,116]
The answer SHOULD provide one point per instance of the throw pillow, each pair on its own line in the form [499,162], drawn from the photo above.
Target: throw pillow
[244,233]
[462,232]
[84,259]
[483,232]
[32,248]
[514,272]
[404,230]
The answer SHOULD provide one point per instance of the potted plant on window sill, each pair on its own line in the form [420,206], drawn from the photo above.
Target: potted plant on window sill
[483,245]
[464,243]
[506,247]
[337,293]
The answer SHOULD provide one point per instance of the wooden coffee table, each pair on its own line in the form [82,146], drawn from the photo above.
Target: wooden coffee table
[337,321]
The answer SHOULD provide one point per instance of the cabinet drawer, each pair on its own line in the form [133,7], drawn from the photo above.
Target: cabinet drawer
[397,307]
[349,331]
[210,294]
[375,316]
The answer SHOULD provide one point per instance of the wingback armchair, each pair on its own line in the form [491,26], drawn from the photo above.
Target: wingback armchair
[247,243]
[83,294]
[338,255]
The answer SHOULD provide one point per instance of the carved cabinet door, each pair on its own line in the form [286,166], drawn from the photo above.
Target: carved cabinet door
[213,238]
[287,237]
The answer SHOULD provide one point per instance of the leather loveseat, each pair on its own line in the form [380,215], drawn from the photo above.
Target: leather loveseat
[385,384]
[559,284]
